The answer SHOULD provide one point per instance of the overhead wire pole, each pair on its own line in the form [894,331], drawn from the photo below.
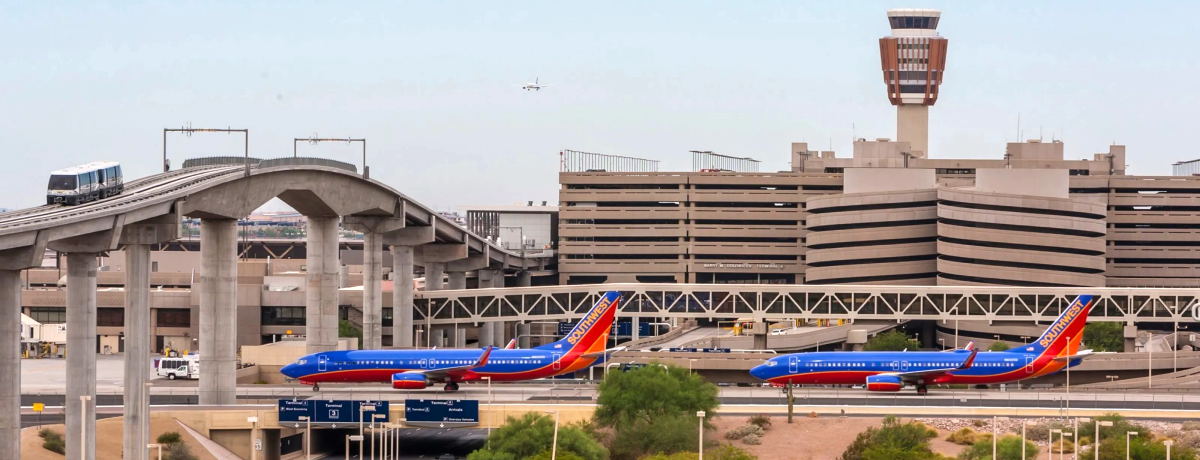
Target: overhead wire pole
[189,131]
[313,140]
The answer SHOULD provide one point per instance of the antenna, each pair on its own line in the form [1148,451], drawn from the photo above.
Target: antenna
[1018,126]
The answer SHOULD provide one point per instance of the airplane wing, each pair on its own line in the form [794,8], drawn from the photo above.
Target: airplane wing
[598,354]
[453,372]
[512,345]
[966,364]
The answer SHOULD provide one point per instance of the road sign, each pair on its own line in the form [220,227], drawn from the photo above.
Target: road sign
[324,411]
[38,407]
[441,412]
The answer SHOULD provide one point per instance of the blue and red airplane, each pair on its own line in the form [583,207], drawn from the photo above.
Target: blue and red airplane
[1055,350]
[418,369]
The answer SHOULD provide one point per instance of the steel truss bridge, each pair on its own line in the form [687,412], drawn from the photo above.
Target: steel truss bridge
[780,302]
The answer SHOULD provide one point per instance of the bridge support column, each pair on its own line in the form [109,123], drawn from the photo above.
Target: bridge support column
[524,278]
[372,291]
[81,356]
[435,272]
[499,335]
[218,311]
[1131,332]
[523,334]
[487,334]
[321,295]
[10,361]
[402,296]
[498,279]
[458,280]
[136,431]
[634,325]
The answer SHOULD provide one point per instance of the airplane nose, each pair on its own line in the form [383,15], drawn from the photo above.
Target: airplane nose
[759,371]
[289,370]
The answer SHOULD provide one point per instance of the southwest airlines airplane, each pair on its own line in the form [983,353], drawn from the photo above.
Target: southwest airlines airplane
[1055,350]
[418,369]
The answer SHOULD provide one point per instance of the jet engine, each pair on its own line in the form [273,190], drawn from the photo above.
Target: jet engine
[884,382]
[409,381]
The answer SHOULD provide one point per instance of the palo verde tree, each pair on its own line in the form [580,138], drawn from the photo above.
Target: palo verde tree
[652,410]
[531,435]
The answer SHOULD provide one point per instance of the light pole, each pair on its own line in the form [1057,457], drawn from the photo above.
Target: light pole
[554,440]
[1168,443]
[993,436]
[1096,439]
[374,433]
[1023,423]
[1127,435]
[361,408]
[353,437]
[253,421]
[1068,365]
[491,398]
[159,446]
[700,415]
[1062,444]
[307,435]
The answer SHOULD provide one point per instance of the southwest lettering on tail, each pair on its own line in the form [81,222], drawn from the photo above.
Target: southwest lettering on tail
[889,371]
[418,369]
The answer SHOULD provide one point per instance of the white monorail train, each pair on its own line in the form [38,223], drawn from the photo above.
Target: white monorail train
[83,183]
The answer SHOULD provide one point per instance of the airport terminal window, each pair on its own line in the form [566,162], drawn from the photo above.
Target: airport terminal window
[174,317]
[282,316]
[110,317]
[387,317]
[48,315]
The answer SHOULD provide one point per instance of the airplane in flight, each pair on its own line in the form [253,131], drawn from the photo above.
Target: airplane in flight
[419,369]
[1054,351]
[535,86]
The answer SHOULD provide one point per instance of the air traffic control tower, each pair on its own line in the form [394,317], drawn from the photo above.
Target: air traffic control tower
[914,59]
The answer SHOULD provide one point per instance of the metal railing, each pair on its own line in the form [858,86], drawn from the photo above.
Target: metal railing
[576,161]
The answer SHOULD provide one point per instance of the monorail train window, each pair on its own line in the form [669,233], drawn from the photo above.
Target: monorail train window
[62,182]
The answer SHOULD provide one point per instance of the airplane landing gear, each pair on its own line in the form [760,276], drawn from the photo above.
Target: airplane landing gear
[451,386]
[316,387]
[922,389]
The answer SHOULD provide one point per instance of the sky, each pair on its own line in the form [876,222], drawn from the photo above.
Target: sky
[435,87]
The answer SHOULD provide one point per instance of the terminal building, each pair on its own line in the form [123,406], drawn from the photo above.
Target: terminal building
[890,213]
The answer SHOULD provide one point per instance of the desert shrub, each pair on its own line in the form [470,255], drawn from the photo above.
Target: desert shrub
[964,436]
[169,437]
[1040,431]
[892,440]
[52,441]
[1007,448]
[752,439]
[743,431]
[1190,425]
[761,421]
[178,451]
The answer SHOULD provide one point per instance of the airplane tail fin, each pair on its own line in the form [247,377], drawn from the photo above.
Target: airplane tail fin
[512,345]
[1065,334]
[591,332]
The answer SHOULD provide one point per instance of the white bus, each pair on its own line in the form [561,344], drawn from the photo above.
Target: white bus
[83,183]
[183,367]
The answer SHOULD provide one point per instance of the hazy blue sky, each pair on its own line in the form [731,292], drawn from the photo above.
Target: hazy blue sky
[435,86]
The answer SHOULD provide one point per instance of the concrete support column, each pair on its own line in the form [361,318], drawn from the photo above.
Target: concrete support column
[524,279]
[498,279]
[458,280]
[499,335]
[10,361]
[460,336]
[321,278]
[402,296]
[218,311]
[486,335]
[372,291]
[136,431]
[1130,333]
[634,328]
[523,334]
[81,355]
[435,272]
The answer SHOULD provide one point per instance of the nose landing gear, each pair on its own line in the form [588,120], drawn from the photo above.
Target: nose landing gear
[451,386]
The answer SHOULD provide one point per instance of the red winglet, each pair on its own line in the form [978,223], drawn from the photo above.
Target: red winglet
[971,358]
[484,357]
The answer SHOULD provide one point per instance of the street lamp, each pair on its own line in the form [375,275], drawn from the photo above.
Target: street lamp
[362,408]
[1168,443]
[1127,435]
[1096,439]
[1068,366]
[1023,423]
[253,421]
[491,398]
[700,415]
[159,446]
[554,441]
[356,438]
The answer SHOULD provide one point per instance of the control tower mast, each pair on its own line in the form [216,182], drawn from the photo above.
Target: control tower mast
[914,59]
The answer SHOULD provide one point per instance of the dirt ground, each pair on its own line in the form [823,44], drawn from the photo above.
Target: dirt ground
[108,439]
[817,438]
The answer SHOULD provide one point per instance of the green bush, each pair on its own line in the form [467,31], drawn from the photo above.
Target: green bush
[998,346]
[743,431]
[892,340]
[652,410]
[178,451]
[721,452]
[348,329]
[1104,336]
[52,441]
[1007,448]
[663,434]
[964,436]
[169,437]
[892,441]
[1140,448]
[530,435]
